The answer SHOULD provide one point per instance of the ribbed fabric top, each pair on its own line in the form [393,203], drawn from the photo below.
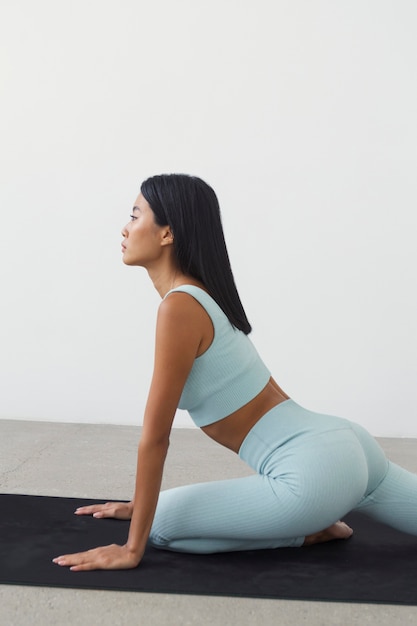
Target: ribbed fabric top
[227,375]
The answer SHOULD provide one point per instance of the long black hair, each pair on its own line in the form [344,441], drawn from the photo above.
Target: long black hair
[190,208]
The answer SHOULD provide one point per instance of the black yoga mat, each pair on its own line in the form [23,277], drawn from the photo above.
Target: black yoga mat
[377,565]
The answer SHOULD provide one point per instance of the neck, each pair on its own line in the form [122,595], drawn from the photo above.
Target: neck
[164,281]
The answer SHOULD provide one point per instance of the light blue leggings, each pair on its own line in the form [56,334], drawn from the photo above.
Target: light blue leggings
[312,469]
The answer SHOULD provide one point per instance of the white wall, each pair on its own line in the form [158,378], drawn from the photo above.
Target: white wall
[301,114]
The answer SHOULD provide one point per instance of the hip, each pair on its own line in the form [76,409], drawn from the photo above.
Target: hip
[296,433]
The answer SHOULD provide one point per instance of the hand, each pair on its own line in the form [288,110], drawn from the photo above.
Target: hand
[106,557]
[116,510]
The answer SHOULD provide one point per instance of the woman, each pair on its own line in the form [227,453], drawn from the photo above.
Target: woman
[311,469]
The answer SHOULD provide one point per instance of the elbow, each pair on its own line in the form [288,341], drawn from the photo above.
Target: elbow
[154,445]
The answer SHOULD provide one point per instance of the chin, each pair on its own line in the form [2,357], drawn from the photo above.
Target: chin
[131,262]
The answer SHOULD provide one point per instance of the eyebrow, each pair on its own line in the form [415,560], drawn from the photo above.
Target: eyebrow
[136,208]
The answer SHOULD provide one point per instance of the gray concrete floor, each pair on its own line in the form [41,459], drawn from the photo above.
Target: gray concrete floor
[95,461]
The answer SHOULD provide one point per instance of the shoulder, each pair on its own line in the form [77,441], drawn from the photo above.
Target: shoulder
[182,318]
[184,324]
[180,306]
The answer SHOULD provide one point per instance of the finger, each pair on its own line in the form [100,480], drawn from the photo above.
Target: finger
[112,509]
[89,510]
[67,559]
[83,558]
[83,562]
[75,558]
[105,511]
[84,567]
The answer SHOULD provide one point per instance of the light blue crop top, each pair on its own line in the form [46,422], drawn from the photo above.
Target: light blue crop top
[227,375]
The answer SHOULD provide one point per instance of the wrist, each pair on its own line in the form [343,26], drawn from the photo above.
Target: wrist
[135,552]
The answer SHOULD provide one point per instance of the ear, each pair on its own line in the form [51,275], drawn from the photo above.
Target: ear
[167,236]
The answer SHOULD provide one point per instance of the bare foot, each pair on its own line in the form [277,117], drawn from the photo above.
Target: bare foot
[340,530]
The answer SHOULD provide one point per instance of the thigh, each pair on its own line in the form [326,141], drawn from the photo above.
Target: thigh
[376,460]
[305,488]
[327,473]
[394,501]
[246,507]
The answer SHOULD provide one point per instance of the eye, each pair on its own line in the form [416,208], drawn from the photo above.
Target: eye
[133,218]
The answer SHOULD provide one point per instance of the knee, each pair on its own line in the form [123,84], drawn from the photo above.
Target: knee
[158,537]
[156,540]
[165,523]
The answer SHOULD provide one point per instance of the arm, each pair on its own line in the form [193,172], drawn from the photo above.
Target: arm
[179,333]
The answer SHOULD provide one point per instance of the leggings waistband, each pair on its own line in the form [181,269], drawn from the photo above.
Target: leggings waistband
[281,425]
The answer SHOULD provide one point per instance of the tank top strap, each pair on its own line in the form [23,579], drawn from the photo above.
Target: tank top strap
[207,302]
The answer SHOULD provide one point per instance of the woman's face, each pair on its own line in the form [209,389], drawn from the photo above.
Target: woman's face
[144,241]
